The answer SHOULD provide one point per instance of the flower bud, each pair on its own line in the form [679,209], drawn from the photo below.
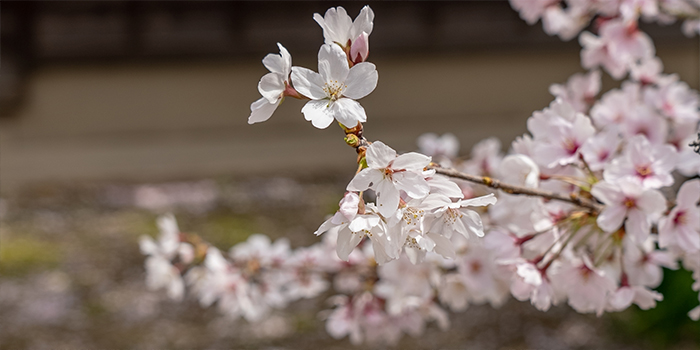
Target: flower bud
[352,140]
[360,48]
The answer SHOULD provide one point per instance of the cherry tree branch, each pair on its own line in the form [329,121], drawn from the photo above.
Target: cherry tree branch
[354,138]
[573,198]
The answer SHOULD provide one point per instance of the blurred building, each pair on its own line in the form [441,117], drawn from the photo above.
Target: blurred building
[130,90]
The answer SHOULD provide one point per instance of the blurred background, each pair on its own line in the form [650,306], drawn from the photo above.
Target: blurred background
[113,112]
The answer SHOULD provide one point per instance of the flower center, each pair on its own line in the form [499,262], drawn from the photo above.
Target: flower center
[412,216]
[334,89]
[644,171]
[680,218]
[630,202]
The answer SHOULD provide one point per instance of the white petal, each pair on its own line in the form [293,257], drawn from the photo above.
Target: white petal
[610,219]
[387,198]
[367,178]
[412,183]
[637,225]
[361,81]
[363,22]
[489,199]
[318,113]
[652,202]
[279,64]
[271,87]
[261,110]
[347,241]
[348,112]
[379,155]
[443,246]
[607,193]
[472,221]
[411,161]
[308,83]
[689,194]
[333,64]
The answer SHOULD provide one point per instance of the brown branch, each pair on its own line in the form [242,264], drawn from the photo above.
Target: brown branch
[519,190]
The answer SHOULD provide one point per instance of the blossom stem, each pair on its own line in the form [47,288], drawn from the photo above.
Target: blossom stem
[520,190]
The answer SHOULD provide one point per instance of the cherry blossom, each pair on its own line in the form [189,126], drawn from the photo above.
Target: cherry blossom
[648,164]
[273,86]
[387,174]
[628,199]
[333,92]
[681,227]
[352,36]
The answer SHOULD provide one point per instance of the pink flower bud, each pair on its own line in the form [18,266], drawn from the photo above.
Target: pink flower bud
[360,48]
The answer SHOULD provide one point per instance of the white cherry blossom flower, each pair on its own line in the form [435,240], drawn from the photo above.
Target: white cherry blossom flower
[559,132]
[335,88]
[681,227]
[626,198]
[580,90]
[273,86]
[600,149]
[339,28]
[585,285]
[160,271]
[388,174]
[450,217]
[650,165]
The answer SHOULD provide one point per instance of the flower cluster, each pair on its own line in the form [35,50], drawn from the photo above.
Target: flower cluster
[587,215]
[343,75]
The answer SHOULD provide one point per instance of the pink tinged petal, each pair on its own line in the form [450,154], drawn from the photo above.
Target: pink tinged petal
[667,232]
[318,113]
[411,161]
[261,110]
[333,63]
[637,225]
[652,203]
[365,179]
[443,246]
[271,87]
[645,298]
[347,241]
[694,314]
[489,199]
[348,112]
[308,83]
[542,296]
[621,299]
[689,194]
[412,183]
[387,197]
[349,205]
[610,219]
[362,80]
[688,239]
[607,193]
[360,48]
[379,155]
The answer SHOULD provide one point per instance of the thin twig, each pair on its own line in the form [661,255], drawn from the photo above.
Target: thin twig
[520,190]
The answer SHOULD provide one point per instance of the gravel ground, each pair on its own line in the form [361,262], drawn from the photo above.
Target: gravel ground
[72,277]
